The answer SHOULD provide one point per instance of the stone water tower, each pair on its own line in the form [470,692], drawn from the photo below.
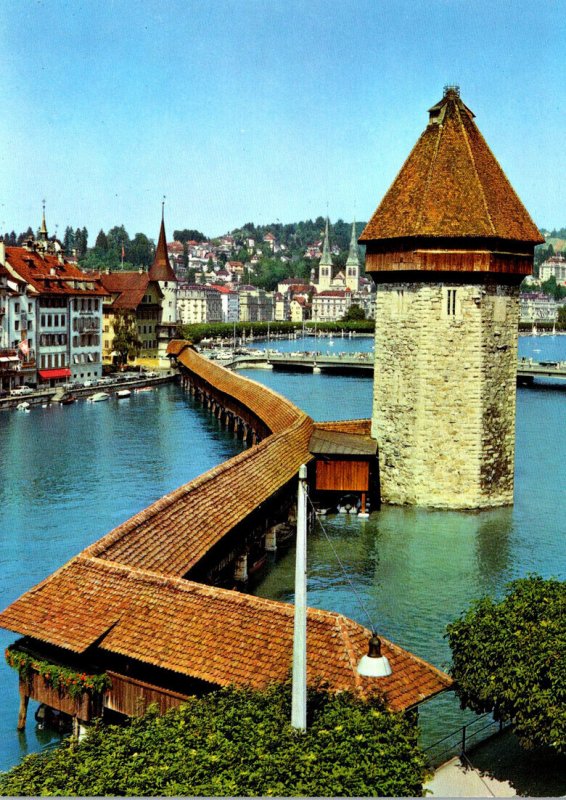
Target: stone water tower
[447,248]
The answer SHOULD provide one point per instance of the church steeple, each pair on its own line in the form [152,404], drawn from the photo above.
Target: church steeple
[353,262]
[43,229]
[161,269]
[325,265]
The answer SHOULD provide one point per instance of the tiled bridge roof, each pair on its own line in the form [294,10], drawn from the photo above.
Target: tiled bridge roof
[125,594]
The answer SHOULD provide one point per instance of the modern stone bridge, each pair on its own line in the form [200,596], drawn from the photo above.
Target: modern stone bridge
[527,369]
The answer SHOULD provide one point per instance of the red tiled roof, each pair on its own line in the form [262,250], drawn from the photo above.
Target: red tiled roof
[360,426]
[48,275]
[130,288]
[451,185]
[161,269]
[125,594]
[212,634]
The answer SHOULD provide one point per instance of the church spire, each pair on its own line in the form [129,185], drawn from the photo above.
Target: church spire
[43,229]
[353,254]
[353,262]
[161,269]
[325,264]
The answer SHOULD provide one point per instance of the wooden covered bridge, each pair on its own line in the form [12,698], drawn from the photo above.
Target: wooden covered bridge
[146,604]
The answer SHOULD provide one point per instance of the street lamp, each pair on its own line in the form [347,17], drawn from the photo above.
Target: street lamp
[373,665]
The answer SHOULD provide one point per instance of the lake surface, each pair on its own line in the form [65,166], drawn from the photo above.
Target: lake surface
[71,474]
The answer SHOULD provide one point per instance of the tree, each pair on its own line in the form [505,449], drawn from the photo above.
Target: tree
[23,237]
[141,250]
[509,657]
[101,241]
[189,235]
[126,341]
[236,742]
[68,240]
[561,318]
[354,313]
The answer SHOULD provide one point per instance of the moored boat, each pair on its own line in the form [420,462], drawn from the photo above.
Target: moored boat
[67,399]
[98,397]
[122,393]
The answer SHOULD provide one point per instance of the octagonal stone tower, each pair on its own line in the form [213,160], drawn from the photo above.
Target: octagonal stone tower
[447,248]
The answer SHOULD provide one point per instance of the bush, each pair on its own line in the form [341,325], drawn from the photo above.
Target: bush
[236,742]
[510,658]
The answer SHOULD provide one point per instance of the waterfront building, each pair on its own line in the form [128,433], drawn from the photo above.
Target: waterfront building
[300,309]
[132,295]
[554,267]
[229,303]
[198,303]
[54,313]
[447,247]
[538,307]
[149,299]
[163,274]
[17,355]
[281,308]
[256,305]
[331,305]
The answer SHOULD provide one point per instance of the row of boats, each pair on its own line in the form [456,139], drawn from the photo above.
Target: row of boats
[97,397]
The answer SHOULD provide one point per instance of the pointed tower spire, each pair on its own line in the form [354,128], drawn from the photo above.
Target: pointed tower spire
[161,269]
[43,229]
[325,265]
[353,262]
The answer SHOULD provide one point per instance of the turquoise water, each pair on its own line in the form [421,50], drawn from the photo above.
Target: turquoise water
[70,474]
[414,570]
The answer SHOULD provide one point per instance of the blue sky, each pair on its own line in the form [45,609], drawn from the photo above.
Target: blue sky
[263,110]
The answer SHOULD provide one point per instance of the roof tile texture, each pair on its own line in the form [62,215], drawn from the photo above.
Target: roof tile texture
[212,634]
[451,185]
[125,594]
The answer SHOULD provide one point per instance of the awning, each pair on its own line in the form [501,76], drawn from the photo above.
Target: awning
[5,359]
[47,374]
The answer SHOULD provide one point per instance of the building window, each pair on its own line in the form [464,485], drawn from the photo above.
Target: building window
[451,302]
[16,324]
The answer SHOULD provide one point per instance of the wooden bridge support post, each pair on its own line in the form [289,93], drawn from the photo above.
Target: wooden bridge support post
[271,540]
[241,568]
[24,700]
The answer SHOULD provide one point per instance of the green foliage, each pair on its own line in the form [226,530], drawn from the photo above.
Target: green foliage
[225,330]
[189,235]
[561,318]
[510,658]
[64,679]
[355,312]
[126,341]
[236,742]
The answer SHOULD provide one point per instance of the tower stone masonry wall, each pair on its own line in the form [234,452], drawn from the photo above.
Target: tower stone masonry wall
[444,392]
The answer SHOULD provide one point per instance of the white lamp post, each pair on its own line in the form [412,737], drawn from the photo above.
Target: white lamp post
[299,687]
[373,665]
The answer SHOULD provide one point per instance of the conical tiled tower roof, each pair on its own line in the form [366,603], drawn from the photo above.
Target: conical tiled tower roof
[161,269]
[451,186]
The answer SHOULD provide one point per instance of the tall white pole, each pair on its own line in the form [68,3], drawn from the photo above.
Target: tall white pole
[299,692]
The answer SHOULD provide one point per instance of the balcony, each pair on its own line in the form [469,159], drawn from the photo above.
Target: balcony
[9,361]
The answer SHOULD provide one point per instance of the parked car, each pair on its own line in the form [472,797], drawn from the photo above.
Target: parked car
[21,390]
[3,393]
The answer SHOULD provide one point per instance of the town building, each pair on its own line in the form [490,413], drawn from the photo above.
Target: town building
[133,296]
[256,305]
[538,307]
[163,274]
[554,267]
[54,313]
[448,247]
[229,301]
[331,305]
[198,303]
